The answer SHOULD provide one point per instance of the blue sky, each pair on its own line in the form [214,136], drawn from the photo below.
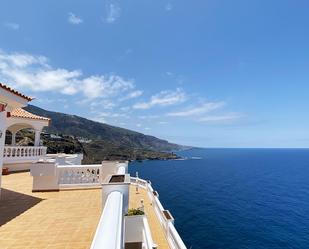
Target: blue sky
[206,73]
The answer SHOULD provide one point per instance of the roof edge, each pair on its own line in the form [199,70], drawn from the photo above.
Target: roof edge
[7,88]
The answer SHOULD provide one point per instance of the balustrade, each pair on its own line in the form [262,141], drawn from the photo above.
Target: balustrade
[23,153]
[171,233]
[79,174]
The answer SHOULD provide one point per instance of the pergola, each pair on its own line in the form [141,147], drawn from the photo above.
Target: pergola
[21,119]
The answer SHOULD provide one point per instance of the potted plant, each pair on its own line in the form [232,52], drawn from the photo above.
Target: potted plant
[135,211]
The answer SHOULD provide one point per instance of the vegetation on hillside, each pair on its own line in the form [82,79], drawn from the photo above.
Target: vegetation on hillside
[98,141]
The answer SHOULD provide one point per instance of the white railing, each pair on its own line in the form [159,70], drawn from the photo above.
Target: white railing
[142,183]
[173,238]
[71,175]
[147,235]
[66,176]
[65,159]
[12,154]
[109,233]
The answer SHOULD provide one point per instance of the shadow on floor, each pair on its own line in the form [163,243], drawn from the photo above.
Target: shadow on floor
[13,204]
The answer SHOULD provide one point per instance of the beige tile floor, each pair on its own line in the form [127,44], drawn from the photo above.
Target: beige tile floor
[155,226]
[57,220]
[65,219]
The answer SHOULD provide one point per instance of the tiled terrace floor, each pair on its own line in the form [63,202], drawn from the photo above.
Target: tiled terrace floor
[50,220]
[155,226]
[58,220]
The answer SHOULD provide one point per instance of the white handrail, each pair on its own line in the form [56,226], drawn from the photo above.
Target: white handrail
[65,159]
[171,233]
[109,233]
[148,237]
[174,237]
[142,183]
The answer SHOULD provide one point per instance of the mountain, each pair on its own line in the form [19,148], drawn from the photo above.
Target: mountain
[100,141]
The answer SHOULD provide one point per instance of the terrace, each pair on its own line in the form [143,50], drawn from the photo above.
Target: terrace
[65,218]
[64,204]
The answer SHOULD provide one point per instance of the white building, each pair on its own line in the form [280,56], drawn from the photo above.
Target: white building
[14,119]
[58,181]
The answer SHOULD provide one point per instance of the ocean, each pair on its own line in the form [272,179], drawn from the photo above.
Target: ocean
[235,198]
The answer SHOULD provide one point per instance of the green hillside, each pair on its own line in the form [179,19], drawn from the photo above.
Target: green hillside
[101,141]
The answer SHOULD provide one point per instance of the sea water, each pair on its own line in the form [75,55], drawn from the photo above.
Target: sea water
[235,198]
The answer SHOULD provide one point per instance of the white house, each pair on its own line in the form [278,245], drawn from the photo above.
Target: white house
[14,119]
[60,174]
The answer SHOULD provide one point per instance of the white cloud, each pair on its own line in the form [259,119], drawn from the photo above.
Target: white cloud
[21,60]
[148,116]
[132,95]
[168,7]
[74,19]
[34,73]
[11,25]
[125,108]
[162,122]
[164,98]
[200,113]
[105,86]
[138,125]
[203,108]
[220,118]
[106,104]
[113,12]
[135,94]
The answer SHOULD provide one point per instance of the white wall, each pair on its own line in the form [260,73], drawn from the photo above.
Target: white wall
[56,172]
[108,168]
[44,176]
[12,102]
[134,228]
[109,233]
[137,230]
[120,187]
[2,140]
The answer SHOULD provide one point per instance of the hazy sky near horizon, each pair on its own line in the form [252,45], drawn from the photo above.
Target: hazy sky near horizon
[208,73]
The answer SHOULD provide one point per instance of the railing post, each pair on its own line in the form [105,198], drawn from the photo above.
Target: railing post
[13,139]
[37,138]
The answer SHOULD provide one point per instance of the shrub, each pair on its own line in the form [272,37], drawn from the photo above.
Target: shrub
[134,211]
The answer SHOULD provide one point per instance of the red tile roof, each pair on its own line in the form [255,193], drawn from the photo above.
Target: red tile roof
[21,113]
[5,87]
